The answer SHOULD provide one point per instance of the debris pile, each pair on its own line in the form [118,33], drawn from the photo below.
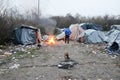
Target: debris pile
[67,63]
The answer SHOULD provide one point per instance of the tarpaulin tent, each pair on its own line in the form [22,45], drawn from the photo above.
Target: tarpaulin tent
[86,26]
[26,35]
[113,40]
[115,27]
[93,36]
[76,31]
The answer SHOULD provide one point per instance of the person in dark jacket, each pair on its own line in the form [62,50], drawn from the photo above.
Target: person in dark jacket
[67,35]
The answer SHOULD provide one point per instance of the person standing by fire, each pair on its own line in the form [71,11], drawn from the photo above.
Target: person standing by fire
[67,35]
[38,38]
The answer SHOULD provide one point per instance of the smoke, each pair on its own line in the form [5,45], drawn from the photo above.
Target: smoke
[49,24]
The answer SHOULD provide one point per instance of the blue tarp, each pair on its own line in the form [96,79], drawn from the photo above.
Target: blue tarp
[86,26]
[113,40]
[93,36]
[25,35]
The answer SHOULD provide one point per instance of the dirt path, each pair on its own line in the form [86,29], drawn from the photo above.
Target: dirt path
[94,64]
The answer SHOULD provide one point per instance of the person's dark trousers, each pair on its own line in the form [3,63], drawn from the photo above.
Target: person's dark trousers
[66,39]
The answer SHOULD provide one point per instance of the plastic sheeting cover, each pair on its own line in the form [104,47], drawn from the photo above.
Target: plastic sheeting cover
[24,35]
[93,36]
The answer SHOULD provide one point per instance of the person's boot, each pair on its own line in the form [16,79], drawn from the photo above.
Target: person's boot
[39,45]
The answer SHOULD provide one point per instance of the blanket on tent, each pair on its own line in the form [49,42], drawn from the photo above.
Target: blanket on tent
[76,31]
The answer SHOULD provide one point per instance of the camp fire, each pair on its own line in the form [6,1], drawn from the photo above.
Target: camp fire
[51,40]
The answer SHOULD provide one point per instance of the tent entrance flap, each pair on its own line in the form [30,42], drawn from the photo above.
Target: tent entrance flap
[114,47]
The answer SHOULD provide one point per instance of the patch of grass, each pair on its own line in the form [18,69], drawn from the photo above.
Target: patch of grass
[117,61]
[20,55]
[16,55]
[6,60]
[2,47]
[102,51]
[28,54]
[118,65]
[46,57]
[88,52]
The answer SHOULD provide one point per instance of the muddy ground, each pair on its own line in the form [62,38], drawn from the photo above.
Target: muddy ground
[39,64]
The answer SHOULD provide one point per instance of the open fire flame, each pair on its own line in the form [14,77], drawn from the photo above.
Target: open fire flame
[51,40]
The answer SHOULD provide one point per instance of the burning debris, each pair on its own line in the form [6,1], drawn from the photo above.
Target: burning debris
[51,40]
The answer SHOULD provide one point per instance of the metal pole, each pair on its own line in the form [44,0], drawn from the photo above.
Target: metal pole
[38,7]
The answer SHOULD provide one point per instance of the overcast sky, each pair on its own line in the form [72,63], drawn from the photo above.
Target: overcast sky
[62,7]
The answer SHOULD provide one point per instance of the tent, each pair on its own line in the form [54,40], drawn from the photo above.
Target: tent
[86,26]
[93,36]
[60,36]
[26,35]
[115,27]
[76,31]
[113,40]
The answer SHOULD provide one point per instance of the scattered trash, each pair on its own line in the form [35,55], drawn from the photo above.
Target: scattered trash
[14,52]
[87,46]
[2,56]
[28,52]
[22,49]
[2,71]
[94,52]
[38,78]
[67,63]
[7,53]
[59,57]
[67,78]
[0,50]
[113,56]
[15,66]
[17,49]
[21,56]
[33,56]
[13,58]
